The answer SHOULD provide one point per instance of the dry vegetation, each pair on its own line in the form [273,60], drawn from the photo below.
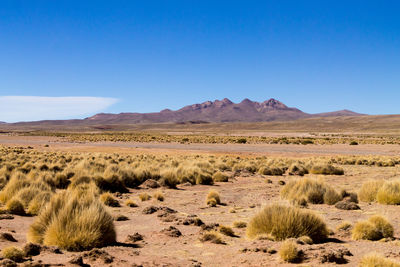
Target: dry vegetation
[73,198]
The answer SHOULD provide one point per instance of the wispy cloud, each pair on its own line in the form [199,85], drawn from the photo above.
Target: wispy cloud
[33,108]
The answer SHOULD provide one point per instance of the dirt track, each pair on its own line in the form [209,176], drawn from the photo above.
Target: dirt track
[288,150]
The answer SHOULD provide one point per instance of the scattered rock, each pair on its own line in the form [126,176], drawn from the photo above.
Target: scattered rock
[134,238]
[209,227]
[121,217]
[31,249]
[346,205]
[335,256]
[6,217]
[8,263]
[150,210]
[281,182]
[77,260]
[172,232]
[7,237]
[150,183]
[96,254]
[193,220]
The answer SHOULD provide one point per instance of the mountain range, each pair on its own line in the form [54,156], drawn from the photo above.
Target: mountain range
[218,111]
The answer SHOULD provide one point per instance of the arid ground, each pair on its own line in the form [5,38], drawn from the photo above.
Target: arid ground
[164,233]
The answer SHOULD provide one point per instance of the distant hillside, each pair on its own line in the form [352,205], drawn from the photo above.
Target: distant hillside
[217,111]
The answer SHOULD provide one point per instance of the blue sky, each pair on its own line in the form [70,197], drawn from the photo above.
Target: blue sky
[144,56]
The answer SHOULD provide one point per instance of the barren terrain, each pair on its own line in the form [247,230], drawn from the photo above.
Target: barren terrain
[242,197]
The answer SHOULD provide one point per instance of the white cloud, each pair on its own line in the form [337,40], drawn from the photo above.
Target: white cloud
[33,108]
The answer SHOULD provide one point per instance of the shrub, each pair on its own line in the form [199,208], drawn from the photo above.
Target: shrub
[13,253]
[38,202]
[108,200]
[131,203]
[241,141]
[353,143]
[283,222]
[305,240]
[213,198]
[239,224]
[73,220]
[274,171]
[369,190]
[15,206]
[226,230]
[297,169]
[288,251]
[144,196]
[220,177]
[326,169]
[159,196]
[16,183]
[375,228]
[311,190]
[389,193]
[213,237]
[376,260]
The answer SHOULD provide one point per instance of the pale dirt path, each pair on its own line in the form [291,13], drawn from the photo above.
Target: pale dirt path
[288,150]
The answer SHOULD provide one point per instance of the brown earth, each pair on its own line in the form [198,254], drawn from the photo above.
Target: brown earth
[245,195]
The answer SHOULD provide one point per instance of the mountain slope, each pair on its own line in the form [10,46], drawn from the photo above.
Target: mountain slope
[211,111]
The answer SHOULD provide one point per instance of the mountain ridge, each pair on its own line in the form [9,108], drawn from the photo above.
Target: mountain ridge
[219,111]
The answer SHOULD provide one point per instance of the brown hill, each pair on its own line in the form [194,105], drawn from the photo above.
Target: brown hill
[217,111]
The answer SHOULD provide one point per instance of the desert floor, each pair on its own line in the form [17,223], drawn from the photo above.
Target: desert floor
[242,197]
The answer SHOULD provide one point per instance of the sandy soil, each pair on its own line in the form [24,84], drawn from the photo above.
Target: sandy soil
[264,149]
[245,195]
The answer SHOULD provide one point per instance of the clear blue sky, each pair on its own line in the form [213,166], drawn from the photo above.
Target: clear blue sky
[150,55]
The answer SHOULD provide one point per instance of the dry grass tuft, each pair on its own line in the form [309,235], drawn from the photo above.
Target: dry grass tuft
[326,169]
[239,224]
[375,228]
[282,222]
[144,196]
[73,220]
[289,252]
[389,193]
[159,196]
[213,237]
[13,253]
[310,190]
[226,230]
[14,206]
[376,260]
[131,203]
[369,190]
[220,177]
[109,200]
[213,198]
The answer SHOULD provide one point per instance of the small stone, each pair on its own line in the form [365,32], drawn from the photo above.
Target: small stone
[134,238]
[172,232]
[31,249]
[7,237]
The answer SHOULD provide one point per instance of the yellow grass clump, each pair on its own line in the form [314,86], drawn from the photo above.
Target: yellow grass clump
[109,200]
[131,203]
[213,198]
[159,196]
[288,251]
[282,222]
[74,220]
[13,253]
[144,196]
[311,190]
[376,260]
[389,193]
[375,228]
[369,189]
